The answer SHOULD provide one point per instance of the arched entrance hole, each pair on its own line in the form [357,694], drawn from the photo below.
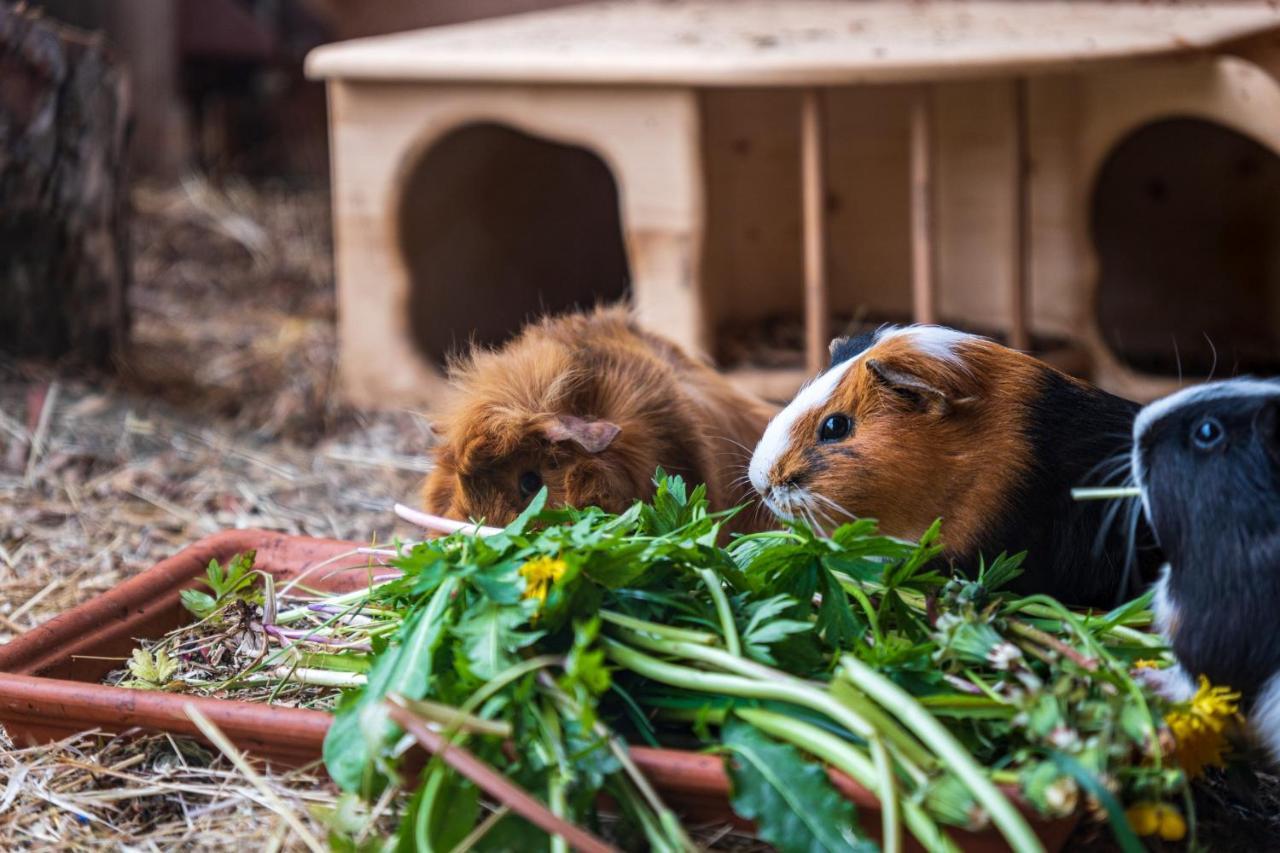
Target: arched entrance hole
[1186,224]
[498,226]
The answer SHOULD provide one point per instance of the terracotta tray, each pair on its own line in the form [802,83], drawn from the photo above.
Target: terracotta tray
[49,679]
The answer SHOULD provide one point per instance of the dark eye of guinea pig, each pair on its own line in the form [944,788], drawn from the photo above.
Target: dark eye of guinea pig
[530,482]
[835,427]
[1207,433]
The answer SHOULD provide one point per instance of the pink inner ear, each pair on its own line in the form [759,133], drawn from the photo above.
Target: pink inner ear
[592,436]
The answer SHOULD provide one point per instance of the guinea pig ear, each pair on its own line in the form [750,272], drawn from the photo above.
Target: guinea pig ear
[591,436]
[909,386]
[836,345]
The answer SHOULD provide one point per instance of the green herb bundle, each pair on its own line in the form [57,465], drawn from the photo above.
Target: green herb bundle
[526,660]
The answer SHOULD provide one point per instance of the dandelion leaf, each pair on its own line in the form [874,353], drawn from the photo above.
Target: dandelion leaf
[791,800]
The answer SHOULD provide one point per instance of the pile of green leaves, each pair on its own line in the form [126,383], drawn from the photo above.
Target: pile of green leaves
[784,652]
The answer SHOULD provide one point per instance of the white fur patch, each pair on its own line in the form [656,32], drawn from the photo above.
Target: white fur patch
[1154,412]
[1162,606]
[1264,718]
[1173,683]
[935,341]
[776,435]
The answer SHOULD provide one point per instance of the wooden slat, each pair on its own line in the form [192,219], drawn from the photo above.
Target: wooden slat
[1019,324]
[813,196]
[923,295]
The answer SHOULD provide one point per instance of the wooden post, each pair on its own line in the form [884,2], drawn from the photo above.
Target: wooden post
[145,32]
[923,295]
[64,262]
[1019,325]
[813,186]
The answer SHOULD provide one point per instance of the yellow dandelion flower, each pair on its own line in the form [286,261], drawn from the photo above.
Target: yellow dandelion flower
[1198,726]
[1148,663]
[539,574]
[1157,819]
[1143,818]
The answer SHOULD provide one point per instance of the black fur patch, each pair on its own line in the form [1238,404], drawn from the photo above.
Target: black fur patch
[843,349]
[1074,431]
[1216,512]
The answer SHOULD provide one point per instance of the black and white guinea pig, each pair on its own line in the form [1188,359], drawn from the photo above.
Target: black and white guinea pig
[1207,461]
[910,424]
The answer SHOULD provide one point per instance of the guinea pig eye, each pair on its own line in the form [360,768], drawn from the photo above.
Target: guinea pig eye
[530,482]
[835,427]
[1207,433]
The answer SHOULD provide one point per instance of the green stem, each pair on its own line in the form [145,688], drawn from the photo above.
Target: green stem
[905,747]
[873,619]
[701,681]
[712,581]
[667,819]
[449,716]
[845,757]
[455,732]
[335,600]
[559,808]
[1012,825]
[1105,493]
[872,724]
[324,677]
[890,828]
[655,833]
[275,691]
[556,798]
[1142,638]
[481,830]
[624,621]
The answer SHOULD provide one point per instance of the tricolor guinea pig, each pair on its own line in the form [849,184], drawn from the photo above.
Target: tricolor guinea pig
[1207,461]
[588,405]
[916,423]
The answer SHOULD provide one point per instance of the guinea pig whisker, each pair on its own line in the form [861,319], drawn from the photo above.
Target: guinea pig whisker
[1113,466]
[803,500]
[1127,577]
[813,521]
[1108,521]
[829,502]
[738,444]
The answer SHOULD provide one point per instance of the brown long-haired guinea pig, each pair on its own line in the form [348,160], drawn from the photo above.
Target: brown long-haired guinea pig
[913,424]
[588,405]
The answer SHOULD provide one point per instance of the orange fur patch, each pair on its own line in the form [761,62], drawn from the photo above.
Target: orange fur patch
[908,463]
[673,411]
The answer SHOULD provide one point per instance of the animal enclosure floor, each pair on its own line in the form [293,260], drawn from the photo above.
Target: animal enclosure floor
[225,415]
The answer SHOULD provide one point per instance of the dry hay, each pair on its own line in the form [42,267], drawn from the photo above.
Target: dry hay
[114,483]
[155,792]
[102,477]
